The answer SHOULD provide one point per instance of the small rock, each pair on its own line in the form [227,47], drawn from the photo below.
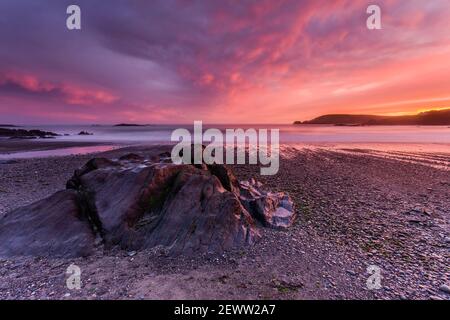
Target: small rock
[352,273]
[85,133]
[445,288]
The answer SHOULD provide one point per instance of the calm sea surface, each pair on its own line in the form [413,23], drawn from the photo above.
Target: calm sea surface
[288,133]
[415,138]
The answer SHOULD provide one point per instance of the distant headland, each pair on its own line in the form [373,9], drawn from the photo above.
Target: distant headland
[428,118]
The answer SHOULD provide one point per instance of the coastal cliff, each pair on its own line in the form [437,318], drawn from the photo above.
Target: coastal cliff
[434,117]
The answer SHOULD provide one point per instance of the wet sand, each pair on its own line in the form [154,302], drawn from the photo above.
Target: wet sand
[357,208]
[9,146]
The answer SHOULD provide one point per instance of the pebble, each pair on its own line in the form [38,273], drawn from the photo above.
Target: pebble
[410,267]
[352,273]
[445,288]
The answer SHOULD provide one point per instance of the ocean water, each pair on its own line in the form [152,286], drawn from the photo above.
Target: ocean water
[288,133]
[435,139]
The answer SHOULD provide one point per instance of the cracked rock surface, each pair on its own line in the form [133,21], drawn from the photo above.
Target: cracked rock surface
[138,203]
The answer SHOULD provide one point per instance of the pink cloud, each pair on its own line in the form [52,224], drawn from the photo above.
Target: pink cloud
[254,61]
[68,93]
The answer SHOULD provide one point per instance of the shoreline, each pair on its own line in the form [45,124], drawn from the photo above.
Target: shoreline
[8,146]
[20,146]
[355,210]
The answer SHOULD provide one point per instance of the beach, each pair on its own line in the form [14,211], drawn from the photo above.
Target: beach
[246,152]
[359,206]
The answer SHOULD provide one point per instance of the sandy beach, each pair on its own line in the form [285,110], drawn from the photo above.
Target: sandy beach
[121,123]
[10,147]
[357,208]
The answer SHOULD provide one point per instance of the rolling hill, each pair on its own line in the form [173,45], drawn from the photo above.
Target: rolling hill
[434,117]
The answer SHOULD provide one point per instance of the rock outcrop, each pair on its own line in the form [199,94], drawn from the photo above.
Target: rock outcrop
[137,203]
[56,226]
[26,134]
[85,133]
[274,210]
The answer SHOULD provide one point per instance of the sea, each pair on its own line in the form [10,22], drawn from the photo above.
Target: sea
[399,138]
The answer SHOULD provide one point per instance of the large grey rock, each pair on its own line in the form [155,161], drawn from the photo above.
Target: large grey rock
[200,215]
[56,226]
[120,196]
[181,207]
[137,203]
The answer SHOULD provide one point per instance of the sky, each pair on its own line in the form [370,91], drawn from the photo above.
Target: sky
[247,61]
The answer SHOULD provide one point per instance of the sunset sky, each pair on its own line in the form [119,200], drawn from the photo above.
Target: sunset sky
[167,61]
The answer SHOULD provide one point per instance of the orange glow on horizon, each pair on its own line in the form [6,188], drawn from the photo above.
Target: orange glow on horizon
[412,113]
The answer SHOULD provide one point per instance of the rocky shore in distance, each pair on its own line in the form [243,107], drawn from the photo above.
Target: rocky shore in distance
[26,134]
